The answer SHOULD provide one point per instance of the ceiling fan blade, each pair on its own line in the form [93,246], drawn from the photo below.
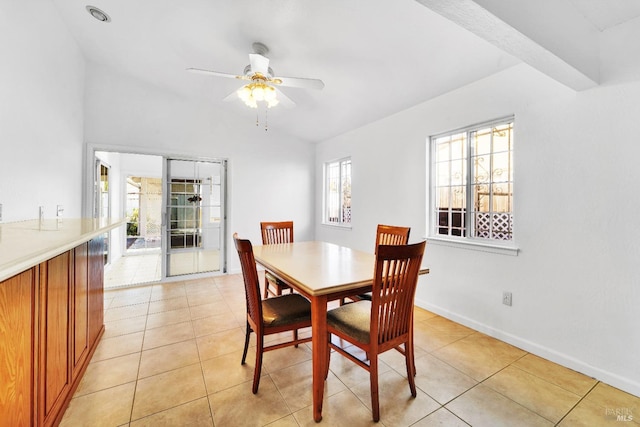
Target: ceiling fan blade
[215,73]
[299,82]
[233,96]
[285,101]
[259,64]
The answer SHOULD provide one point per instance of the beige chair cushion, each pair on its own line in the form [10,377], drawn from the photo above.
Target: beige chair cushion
[353,319]
[285,309]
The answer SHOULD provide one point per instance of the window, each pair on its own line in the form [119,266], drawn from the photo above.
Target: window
[337,192]
[472,182]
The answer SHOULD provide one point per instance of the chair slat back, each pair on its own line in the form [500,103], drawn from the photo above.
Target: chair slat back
[251,279]
[394,287]
[391,235]
[276,232]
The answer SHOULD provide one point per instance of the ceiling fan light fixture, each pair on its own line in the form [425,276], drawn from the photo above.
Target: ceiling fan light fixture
[244,93]
[258,91]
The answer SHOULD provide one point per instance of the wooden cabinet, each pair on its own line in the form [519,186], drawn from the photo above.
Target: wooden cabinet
[80,309]
[51,318]
[96,289]
[17,328]
[54,374]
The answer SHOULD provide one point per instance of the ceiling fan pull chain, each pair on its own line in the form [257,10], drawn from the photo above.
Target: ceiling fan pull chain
[266,118]
[257,121]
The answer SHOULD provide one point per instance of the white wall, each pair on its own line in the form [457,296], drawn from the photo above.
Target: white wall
[41,90]
[576,292]
[270,175]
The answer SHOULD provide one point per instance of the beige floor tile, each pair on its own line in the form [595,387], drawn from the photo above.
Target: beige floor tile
[168,390]
[203,298]
[258,409]
[566,378]
[171,317]
[220,343]
[168,357]
[285,357]
[605,406]
[350,373]
[169,334]
[534,393]
[201,289]
[226,371]
[479,355]
[167,291]
[420,314]
[118,346]
[440,380]
[109,373]
[109,407]
[613,398]
[397,406]
[180,364]
[441,418]
[132,299]
[212,324]
[218,307]
[131,292]
[126,312]
[445,325]
[481,406]
[295,383]
[288,421]
[125,326]
[343,409]
[396,360]
[194,413]
[429,339]
[175,303]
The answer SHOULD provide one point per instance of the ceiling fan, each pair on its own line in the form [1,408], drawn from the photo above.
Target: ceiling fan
[263,82]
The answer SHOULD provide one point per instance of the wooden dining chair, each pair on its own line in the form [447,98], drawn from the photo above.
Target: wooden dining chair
[385,322]
[270,316]
[274,233]
[385,235]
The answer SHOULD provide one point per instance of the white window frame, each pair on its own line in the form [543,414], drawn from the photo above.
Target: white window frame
[507,247]
[329,197]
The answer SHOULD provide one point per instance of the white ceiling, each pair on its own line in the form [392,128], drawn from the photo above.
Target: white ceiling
[376,57]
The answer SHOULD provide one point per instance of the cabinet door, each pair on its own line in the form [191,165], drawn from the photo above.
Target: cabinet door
[80,319]
[96,289]
[54,369]
[16,335]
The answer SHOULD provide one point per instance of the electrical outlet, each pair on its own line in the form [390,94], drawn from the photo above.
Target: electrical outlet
[506,298]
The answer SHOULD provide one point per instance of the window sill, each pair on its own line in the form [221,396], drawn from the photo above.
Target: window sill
[341,226]
[475,245]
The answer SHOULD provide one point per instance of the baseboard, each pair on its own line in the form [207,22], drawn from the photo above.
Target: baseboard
[567,361]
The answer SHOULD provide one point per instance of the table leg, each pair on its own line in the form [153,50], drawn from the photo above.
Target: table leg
[320,351]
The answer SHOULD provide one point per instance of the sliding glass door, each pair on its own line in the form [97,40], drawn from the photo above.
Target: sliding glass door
[194,216]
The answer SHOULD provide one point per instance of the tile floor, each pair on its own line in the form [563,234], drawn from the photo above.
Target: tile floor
[171,355]
[145,266]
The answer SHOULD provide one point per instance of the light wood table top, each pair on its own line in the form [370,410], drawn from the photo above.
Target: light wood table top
[317,268]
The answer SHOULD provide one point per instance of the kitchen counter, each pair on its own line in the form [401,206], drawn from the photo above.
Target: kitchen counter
[24,244]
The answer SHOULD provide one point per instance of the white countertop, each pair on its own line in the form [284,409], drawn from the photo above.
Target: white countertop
[24,244]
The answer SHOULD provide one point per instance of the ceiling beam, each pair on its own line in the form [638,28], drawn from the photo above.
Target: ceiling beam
[470,15]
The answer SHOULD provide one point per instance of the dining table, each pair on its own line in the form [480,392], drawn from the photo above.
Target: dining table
[321,272]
